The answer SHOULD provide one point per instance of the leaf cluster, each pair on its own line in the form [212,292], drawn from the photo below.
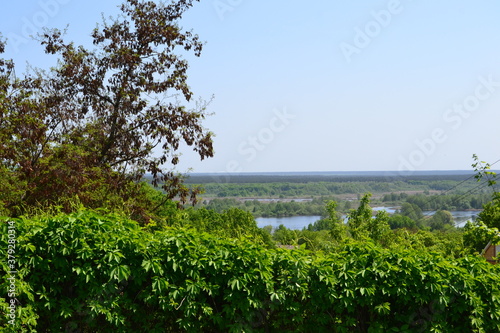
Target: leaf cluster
[103,117]
[103,273]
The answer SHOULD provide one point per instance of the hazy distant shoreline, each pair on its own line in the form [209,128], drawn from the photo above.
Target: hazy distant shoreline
[327,176]
[340,173]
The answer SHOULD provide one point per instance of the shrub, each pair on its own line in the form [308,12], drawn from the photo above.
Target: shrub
[104,273]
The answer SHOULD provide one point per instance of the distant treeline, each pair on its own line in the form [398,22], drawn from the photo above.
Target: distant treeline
[441,202]
[309,189]
[307,178]
[316,206]
[319,177]
[276,209]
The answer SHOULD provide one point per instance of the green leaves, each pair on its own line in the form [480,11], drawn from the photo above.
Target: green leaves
[87,130]
[114,256]
[234,284]
[160,285]
[120,273]
[104,273]
[383,309]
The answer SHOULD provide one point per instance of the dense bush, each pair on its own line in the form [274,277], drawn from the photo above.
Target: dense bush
[90,273]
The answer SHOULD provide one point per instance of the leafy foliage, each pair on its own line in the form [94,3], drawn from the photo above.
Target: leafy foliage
[401,221]
[448,201]
[440,220]
[311,184]
[477,235]
[363,225]
[95,124]
[490,215]
[103,273]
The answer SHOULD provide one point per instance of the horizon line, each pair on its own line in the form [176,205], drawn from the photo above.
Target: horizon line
[401,172]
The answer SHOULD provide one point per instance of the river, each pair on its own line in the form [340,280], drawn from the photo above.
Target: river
[300,222]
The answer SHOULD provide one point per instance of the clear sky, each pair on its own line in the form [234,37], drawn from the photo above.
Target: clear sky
[323,85]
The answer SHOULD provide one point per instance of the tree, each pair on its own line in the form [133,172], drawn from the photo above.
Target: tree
[477,235]
[490,215]
[112,114]
[338,229]
[285,236]
[322,224]
[440,220]
[347,205]
[363,225]
[358,219]
[378,227]
[397,221]
[412,211]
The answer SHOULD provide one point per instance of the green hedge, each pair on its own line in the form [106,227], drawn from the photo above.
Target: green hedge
[89,273]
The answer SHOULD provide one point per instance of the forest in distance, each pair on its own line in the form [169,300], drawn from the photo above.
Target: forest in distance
[306,185]
[346,176]
[295,194]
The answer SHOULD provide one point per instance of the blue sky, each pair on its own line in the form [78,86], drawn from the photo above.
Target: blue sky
[323,85]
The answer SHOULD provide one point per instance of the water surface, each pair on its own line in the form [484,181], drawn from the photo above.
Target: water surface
[300,222]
